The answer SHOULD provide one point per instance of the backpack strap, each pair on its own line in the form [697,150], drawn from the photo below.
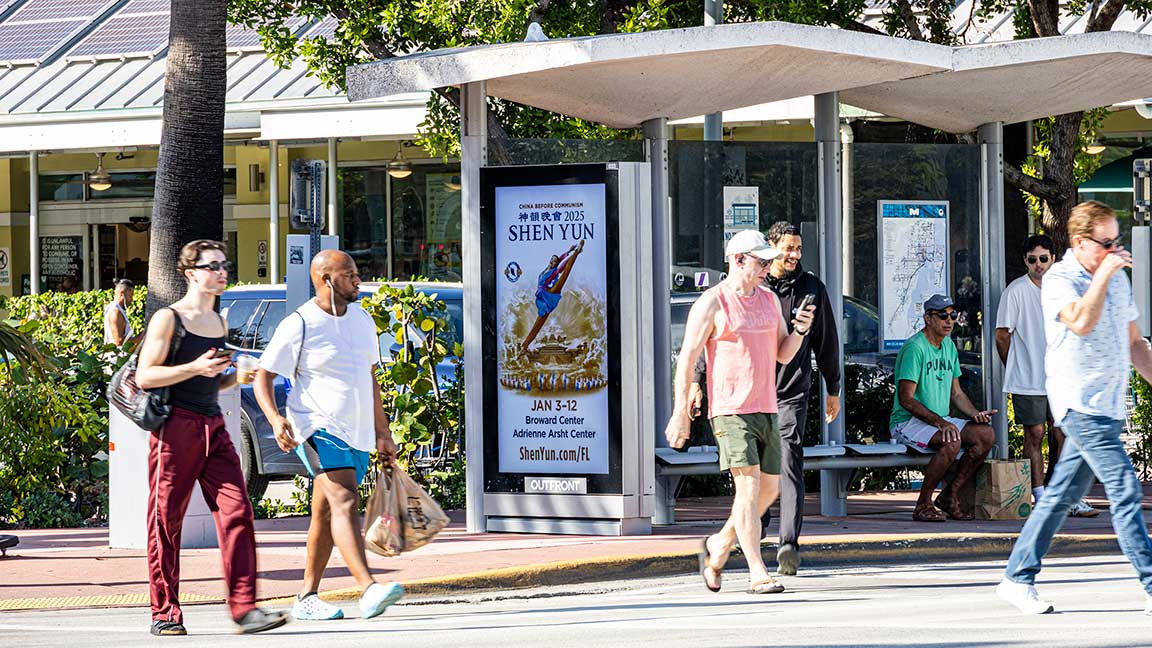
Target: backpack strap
[177,337]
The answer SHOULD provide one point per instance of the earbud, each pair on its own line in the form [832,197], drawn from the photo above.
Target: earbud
[328,281]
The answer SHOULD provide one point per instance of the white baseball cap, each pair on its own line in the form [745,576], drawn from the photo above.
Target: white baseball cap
[751,242]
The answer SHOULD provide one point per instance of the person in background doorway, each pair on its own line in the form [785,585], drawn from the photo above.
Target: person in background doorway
[117,328]
[1021,345]
[1093,343]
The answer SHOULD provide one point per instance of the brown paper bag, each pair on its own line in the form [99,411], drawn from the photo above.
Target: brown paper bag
[383,534]
[421,518]
[1004,490]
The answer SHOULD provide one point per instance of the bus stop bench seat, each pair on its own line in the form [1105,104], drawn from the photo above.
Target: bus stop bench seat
[673,465]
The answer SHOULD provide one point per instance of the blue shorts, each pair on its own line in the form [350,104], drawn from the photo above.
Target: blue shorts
[323,452]
[546,302]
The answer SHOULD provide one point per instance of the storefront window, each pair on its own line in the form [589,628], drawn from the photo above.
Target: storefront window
[131,185]
[425,222]
[363,192]
[61,186]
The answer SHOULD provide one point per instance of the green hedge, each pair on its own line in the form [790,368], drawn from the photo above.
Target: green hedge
[54,430]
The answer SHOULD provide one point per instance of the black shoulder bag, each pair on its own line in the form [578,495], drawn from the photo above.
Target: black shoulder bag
[147,408]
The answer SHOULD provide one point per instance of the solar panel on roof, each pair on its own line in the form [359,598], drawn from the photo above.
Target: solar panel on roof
[145,6]
[239,36]
[126,35]
[52,10]
[325,28]
[31,42]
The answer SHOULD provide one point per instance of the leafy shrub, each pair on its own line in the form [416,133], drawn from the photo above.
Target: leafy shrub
[54,428]
[425,408]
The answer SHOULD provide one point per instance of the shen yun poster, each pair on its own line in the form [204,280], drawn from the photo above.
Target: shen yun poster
[551,329]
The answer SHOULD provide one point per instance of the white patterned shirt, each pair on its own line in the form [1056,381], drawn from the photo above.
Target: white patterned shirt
[1087,373]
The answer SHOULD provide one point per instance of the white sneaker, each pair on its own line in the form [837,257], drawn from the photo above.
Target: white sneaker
[1023,596]
[1082,509]
[313,608]
[378,597]
[1148,604]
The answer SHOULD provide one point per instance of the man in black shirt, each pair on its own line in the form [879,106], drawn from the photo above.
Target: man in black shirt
[792,284]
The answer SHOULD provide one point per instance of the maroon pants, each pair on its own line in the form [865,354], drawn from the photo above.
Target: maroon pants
[191,447]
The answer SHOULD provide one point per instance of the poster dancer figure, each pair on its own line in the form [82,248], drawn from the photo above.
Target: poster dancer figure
[548,288]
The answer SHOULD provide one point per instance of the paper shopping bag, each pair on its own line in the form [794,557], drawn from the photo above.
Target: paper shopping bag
[382,529]
[421,518]
[1004,490]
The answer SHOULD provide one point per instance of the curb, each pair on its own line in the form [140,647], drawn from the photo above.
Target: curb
[891,550]
[880,550]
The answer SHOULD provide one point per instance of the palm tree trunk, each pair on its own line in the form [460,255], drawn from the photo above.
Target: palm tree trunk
[189,201]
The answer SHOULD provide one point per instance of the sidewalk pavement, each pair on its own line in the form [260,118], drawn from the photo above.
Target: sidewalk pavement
[64,568]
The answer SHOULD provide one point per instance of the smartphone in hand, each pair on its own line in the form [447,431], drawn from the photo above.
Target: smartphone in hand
[805,302]
[223,352]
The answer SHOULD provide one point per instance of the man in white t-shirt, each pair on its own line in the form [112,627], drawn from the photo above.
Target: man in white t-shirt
[1021,344]
[328,348]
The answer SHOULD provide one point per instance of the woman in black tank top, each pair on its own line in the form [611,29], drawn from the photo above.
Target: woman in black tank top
[199,394]
[194,446]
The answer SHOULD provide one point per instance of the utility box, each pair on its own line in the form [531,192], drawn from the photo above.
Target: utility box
[128,483]
[568,390]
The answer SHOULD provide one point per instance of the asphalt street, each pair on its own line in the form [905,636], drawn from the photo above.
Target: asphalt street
[1098,603]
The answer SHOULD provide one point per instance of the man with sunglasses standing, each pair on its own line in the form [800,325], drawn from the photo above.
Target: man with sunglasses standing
[740,325]
[927,385]
[1021,344]
[1093,343]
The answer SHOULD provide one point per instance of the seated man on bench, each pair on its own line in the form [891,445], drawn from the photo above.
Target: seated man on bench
[927,382]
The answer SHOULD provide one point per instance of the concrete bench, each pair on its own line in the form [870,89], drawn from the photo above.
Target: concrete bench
[672,466]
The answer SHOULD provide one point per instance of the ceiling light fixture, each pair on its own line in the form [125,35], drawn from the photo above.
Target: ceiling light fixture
[398,167]
[100,180]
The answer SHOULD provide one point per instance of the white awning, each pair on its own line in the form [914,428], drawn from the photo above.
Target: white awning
[623,80]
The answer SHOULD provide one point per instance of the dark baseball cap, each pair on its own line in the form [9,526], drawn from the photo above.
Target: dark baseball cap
[937,303]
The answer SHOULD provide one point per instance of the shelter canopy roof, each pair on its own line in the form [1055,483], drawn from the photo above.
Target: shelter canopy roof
[622,80]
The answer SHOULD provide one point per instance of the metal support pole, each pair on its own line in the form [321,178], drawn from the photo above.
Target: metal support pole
[473,155]
[34,221]
[827,127]
[656,138]
[713,122]
[847,139]
[991,138]
[273,212]
[332,226]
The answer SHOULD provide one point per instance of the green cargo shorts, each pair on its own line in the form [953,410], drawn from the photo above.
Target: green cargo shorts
[748,440]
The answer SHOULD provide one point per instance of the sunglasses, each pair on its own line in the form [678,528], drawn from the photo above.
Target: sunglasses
[1108,244]
[215,266]
[763,263]
[1043,258]
[944,316]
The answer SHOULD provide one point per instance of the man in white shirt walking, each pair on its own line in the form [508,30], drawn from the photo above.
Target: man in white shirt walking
[1093,344]
[1021,344]
[328,348]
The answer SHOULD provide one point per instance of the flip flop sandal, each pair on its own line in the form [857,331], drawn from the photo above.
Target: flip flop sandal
[928,513]
[702,558]
[954,514]
[769,586]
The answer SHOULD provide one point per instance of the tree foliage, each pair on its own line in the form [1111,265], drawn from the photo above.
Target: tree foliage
[380,29]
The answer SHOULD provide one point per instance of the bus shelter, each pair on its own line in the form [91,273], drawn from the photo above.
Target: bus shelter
[643,80]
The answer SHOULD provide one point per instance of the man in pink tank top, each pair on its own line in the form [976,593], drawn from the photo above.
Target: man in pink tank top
[740,325]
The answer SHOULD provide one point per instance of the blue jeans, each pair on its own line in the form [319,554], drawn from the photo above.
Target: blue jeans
[1093,447]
